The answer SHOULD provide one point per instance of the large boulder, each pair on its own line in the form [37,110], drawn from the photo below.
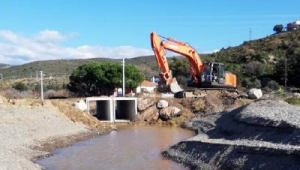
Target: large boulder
[162,104]
[254,93]
[81,105]
[169,112]
[149,114]
[297,95]
[144,103]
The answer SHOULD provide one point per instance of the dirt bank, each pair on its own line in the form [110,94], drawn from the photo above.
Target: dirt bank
[261,135]
[212,101]
[30,129]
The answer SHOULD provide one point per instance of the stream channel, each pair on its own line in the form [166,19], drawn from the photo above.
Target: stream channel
[130,148]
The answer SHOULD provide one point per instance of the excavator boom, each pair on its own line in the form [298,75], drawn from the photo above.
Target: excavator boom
[161,59]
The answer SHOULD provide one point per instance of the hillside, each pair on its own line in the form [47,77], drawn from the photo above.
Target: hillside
[265,58]
[57,68]
[3,65]
[252,61]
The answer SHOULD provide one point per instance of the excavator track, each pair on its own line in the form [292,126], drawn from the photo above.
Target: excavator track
[198,92]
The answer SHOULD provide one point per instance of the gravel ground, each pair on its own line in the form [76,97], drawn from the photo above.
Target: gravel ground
[23,129]
[273,113]
[262,135]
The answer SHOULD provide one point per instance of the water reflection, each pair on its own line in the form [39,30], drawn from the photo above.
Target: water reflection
[135,147]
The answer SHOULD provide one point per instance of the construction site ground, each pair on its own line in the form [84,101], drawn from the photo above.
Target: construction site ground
[31,128]
[236,133]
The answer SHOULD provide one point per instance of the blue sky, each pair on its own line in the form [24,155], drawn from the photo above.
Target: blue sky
[32,30]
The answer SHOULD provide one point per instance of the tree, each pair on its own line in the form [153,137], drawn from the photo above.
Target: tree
[278,28]
[133,77]
[94,78]
[84,78]
[180,69]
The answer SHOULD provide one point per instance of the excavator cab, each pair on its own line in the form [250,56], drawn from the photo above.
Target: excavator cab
[214,75]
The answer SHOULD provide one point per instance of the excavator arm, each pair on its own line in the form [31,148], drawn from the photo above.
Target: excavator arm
[161,59]
[159,46]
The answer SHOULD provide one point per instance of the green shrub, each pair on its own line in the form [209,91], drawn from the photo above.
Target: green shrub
[272,86]
[52,86]
[293,100]
[20,86]
[251,83]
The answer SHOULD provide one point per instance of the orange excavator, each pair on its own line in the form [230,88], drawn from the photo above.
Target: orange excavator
[204,75]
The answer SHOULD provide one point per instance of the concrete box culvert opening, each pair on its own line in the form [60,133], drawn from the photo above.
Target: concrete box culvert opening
[125,108]
[108,109]
[103,108]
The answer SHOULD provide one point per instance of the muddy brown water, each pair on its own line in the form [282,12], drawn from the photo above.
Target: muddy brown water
[131,148]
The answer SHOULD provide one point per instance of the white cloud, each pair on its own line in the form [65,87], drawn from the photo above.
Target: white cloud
[49,36]
[210,52]
[45,45]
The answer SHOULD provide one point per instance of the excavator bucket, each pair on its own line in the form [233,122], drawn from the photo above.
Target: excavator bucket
[171,87]
[174,86]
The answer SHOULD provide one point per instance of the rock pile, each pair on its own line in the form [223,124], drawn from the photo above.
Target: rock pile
[152,110]
[262,135]
[167,112]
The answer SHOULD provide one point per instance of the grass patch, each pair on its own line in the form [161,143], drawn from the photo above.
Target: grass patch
[293,100]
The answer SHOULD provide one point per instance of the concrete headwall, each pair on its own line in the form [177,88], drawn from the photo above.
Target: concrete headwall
[114,109]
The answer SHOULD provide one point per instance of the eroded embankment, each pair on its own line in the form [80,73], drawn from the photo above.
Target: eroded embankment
[262,135]
[30,129]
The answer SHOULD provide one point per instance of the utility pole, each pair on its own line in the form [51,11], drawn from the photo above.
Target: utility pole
[42,90]
[37,75]
[123,77]
[250,32]
[285,73]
